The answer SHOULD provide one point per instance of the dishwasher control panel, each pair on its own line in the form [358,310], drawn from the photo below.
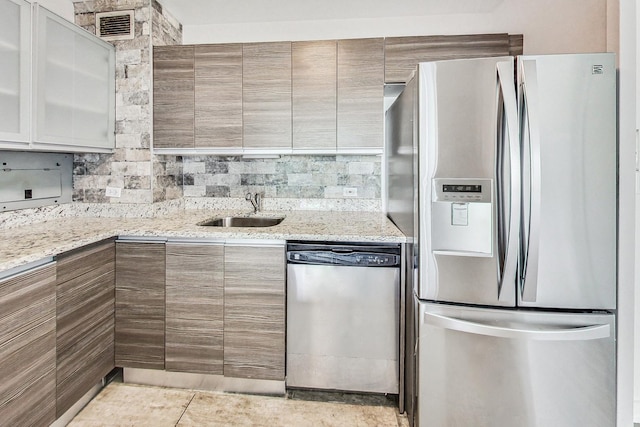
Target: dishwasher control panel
[353,259]
[344,256]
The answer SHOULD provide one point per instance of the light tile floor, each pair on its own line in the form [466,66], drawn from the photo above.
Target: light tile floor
[121,404]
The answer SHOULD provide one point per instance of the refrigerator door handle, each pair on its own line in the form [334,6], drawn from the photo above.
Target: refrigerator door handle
[508,250]
[531,150]
[582,333]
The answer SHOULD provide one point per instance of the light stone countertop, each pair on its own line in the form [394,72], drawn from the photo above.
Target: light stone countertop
[33,242]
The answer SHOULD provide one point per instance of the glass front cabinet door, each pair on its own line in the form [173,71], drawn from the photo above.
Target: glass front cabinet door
[15,69]
[74,87]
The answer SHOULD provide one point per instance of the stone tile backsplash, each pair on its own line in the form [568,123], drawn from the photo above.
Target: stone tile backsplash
[147,178]
[144,178]
[306,177]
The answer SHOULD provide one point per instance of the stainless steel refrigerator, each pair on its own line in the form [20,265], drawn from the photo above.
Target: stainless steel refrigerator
[502,173]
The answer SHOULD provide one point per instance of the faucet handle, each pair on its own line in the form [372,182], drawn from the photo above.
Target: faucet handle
[258,199]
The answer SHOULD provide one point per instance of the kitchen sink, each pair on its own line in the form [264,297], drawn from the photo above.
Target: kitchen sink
[242,221]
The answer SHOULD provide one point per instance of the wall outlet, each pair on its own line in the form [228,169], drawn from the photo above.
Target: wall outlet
[113,192]
[350,192]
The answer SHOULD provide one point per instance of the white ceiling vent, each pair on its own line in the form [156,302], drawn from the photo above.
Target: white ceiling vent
[115,25]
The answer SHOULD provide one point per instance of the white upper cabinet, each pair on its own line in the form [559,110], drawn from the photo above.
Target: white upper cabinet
[15,66]
[73,86]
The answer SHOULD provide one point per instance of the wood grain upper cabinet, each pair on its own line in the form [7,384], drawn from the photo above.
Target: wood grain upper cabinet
[28,348]
[266,95]
[173,97]
[218,96]
[194,308]
[85,297]
[360,93]
[140,305]
[254,312]
[402,54]
[314,94]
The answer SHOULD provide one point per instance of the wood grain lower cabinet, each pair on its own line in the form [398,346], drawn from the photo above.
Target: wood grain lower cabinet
[360,83]
[28,348]
[194,308]
[254,312]
[85,298]
[140,305]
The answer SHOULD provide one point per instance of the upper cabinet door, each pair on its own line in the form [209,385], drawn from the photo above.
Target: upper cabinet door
[218,96]
[402,54]
[266,95]
[74,87]
[360,94]
[15,68]
[314,94]
[173,97]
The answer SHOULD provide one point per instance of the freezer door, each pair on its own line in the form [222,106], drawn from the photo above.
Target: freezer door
[568,113]
[466,193]
[497,368]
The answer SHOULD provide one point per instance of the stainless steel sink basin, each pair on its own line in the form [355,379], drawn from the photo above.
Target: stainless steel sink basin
[241,221]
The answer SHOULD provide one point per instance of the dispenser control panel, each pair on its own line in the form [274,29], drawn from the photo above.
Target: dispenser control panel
[462,190]
[462,217]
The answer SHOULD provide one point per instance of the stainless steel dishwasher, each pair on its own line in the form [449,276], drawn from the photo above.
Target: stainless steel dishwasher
[343,317]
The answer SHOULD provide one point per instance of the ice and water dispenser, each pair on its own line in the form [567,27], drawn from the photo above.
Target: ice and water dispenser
[462,220]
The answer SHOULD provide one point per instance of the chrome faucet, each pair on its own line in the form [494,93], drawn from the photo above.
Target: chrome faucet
[256,201]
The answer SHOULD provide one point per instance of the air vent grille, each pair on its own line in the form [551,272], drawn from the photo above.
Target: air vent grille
[115,25]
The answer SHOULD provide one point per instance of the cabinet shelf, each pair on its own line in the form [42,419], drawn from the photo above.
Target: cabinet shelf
[75,107]
[13,93]
[74,68]
[8,46]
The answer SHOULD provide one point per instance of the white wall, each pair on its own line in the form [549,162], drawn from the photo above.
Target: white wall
[637,234]
[627,209]
[549,26]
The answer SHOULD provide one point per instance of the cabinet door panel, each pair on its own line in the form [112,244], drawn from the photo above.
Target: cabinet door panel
[26,301]
[28,369]
[28,348]
[85,298]
[76,375]
[218,96]
[15,39]
[76,263]
[173,97]
[81,307]
[194,308]
[360,93]
[402,54]
[140,305]
[266,95]
[254,312]
[314,94]
[74,87]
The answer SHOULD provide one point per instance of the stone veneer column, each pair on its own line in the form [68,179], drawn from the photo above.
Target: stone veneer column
[143,177]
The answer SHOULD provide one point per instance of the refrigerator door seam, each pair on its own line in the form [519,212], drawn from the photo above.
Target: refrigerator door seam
[506,81]
[531,109]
